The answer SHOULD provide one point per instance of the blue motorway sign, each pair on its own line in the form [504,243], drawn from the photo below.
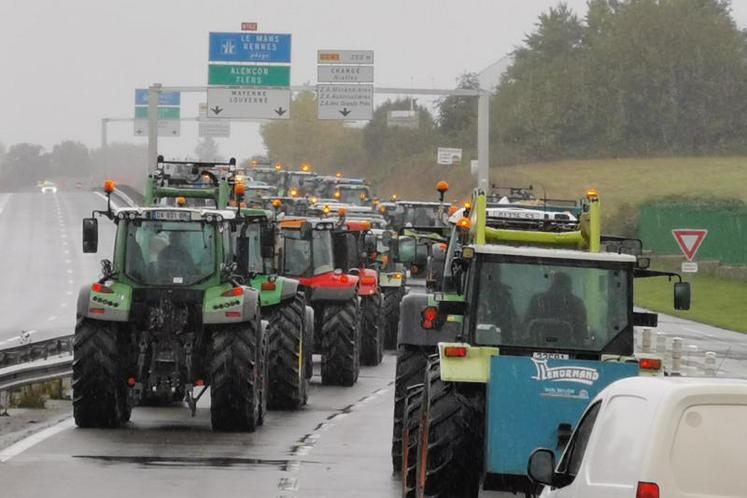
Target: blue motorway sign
[166,98]
[250,47]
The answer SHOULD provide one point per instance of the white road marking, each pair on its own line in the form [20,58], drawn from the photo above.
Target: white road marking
[52,318]
[34,439]
[69,293]
[3,201]
[70,271]
[71,282]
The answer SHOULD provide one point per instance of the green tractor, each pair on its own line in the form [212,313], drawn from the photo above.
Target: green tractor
[289,320]
[169,316]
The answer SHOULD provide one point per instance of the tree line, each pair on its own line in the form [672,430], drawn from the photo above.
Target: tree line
[630,78]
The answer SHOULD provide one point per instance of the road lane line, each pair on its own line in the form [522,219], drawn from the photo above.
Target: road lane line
[34,439]
[52,318]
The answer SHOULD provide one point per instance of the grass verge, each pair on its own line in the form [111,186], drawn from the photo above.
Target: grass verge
[714,301]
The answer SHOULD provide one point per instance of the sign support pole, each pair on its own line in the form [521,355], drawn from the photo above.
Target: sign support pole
[104,125]
[154,93]
[483,141]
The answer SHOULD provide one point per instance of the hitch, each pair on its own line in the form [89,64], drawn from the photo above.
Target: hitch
[192,400]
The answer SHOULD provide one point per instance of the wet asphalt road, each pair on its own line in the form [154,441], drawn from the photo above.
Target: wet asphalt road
[337,446]
[41,263]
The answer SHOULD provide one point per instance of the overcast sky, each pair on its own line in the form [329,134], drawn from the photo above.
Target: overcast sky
[67,64]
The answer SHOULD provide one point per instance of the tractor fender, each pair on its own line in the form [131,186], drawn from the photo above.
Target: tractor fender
[318,294]
[249,310]
[411,333]
[369,282]
[289,288]
[86,303]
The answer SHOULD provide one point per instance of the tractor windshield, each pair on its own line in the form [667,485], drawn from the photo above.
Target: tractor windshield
[416,216]
[357,196]
[551,304]
[169,252]
[269,177]
[307,257]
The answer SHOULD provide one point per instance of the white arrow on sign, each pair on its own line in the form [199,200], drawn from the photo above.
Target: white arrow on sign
[345,102]
[248,102]
[166,128]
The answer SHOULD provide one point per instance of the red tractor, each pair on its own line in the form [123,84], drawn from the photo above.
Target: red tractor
[355,252]
[306,253]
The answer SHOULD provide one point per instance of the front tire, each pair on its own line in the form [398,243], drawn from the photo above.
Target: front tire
[340,343]
[411,362]
[287,357]
[372,341]
[235,377]
[99,388]
[390,316]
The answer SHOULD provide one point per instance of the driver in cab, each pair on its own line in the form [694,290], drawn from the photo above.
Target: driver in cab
[557,315]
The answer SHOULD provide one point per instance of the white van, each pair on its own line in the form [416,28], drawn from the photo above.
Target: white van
[654,437]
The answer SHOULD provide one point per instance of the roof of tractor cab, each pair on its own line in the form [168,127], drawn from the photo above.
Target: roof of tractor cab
[541,252]
[419,203]
[225,213]
[295,222]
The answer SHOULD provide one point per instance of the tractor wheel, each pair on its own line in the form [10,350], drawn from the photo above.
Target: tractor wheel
[99,387]
[264,383]
[372,340]
[450,439]
[390,314]
[409,437]
[235,377]
[340,343]
[411,362]
[308,341]
[287,362]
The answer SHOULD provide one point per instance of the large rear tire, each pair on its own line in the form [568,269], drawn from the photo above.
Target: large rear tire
[390,316]
[411,362]
[409,438]
[372,339]
[340,343]
[450,439]
[287,356]
[235,377]
[99,387]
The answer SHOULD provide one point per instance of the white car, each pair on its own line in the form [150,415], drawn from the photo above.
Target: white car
[47,187]
[654,437]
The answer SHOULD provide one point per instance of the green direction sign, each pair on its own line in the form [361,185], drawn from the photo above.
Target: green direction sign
[248,75]
[141,112]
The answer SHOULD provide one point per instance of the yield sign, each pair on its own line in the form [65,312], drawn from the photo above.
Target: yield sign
[689,240]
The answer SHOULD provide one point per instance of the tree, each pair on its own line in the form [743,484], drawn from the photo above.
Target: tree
[70,159]
[207,150]
[457,116]
[25,165]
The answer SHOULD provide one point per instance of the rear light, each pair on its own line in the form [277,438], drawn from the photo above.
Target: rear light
[647,490]
[455,351]
[235,292]
[430,316]
[649,364]
[344,279]
[199,382]
[97,311]
[233,314]
[368,280]
[101,289]
[268,286]
[131,382]
[397,276]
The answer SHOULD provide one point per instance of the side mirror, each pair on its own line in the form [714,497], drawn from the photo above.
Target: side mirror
[541,468]
[682,296]
[90,235]
[242,255]
[643,263]
[306,230]
[268,242]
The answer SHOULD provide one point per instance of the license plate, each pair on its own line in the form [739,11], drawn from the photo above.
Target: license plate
[171,215]
[550,356]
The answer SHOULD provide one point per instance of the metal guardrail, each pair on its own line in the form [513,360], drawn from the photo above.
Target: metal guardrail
[32,351]
[36,372]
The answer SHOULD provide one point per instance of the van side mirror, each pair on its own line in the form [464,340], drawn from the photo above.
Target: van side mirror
[90,235]
[682,296]
[541,467]
[242,255]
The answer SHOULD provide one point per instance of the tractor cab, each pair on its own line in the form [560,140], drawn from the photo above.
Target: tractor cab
[297,183]
[356,194]
[417,214]
[269,176]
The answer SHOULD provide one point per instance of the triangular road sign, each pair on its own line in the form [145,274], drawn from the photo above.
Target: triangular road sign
[689,240]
